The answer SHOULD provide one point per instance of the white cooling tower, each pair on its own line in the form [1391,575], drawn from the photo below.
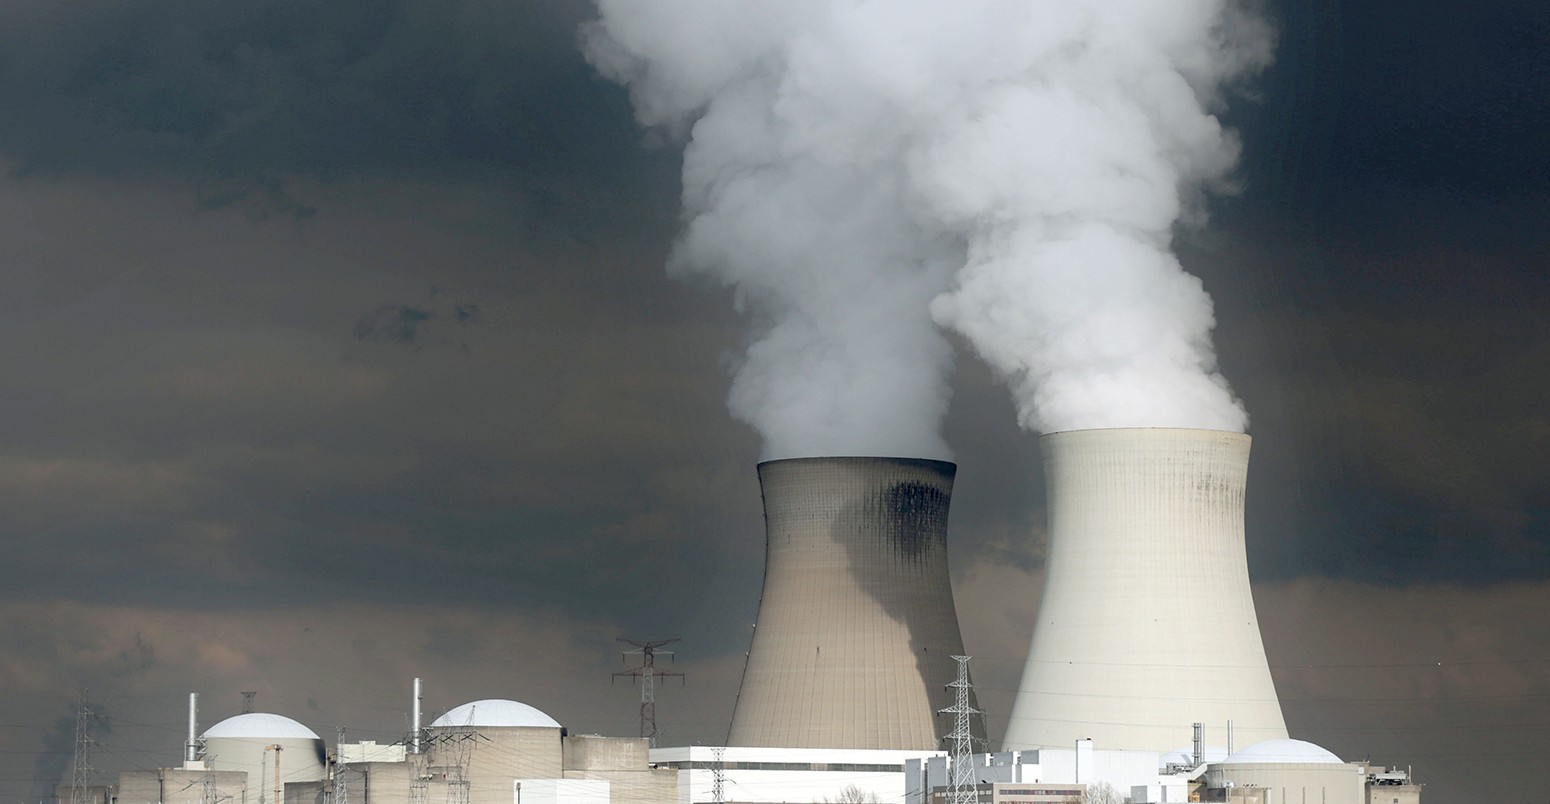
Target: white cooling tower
[856,624]
[1147,624]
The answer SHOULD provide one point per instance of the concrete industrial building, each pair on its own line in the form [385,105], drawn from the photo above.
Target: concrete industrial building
[1146,629]
[271,750]
[1278,771]
[498,751]
[856,624]
[1147,623]
[774,775]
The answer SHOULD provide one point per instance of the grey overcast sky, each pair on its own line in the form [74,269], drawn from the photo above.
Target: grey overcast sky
[338,350]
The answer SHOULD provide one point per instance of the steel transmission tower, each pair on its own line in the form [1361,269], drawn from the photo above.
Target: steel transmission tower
[647,672]
[81,773]
[247,701]
[341,787]
[960,742]
[718,768]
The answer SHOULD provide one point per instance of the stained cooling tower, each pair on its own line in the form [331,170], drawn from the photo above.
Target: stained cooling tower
[856,624]
[1147,624]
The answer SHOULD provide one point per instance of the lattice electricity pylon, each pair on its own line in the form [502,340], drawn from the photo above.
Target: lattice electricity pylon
[960,740]
[419,777]
[341,785]
[718,770]
[80,775]
[456,746]
[247,701]
[647,672]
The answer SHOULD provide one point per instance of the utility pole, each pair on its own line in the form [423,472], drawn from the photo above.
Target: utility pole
[81,773]
[279,791]
[647,672]
[960,740]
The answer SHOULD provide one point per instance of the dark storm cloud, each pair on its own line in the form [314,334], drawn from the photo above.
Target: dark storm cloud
[1379,291]
[1439,97]
[194,421]
[207,481]
[397,323]
[1398,413]
[282,87]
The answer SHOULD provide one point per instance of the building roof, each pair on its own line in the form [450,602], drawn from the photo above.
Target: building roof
[496,713]
[1282,751]
[260,725]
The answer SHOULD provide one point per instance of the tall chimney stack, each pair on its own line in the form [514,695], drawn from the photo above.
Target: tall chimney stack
[414,737]
[191,745]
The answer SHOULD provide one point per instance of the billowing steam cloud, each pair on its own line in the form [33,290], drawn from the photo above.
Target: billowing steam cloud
[863,170]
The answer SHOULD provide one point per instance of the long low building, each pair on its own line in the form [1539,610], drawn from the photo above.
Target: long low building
[752,775]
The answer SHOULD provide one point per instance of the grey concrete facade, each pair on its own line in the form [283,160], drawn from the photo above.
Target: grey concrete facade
[181,786]
[856,623]
[624,763]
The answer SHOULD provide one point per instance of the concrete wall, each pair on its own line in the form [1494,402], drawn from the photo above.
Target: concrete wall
[492,758]
[1394,794]
[94,794]
[305,793]
[1147,624]
[376,783]
[301,760]
[1294,782]
[623,763]
[178,786]
[856,622]
[787,774]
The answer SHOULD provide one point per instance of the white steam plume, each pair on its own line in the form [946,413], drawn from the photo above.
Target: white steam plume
[860,170]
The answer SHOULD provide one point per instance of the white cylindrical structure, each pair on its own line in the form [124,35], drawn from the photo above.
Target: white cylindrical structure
[246,743]
[414,744]
[1147,624]
[191,746]
[856,625]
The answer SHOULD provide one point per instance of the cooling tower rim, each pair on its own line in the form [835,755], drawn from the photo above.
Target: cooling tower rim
[933,463]
[1196,430]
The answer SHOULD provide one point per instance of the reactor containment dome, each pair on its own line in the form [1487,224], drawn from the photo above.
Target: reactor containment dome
[495,713]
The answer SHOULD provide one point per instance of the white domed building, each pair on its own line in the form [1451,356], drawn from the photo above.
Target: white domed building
[1291,771]
[252,742]
[491,744]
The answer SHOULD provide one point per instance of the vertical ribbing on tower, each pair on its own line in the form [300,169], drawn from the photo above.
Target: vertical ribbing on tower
[960,741]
